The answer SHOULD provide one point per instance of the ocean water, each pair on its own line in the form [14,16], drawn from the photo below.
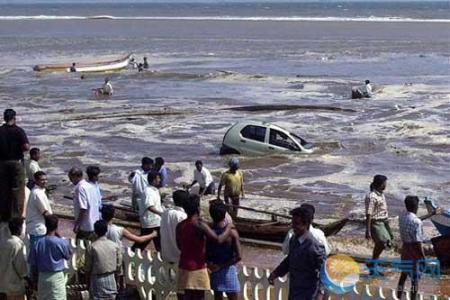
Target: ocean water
[207,58]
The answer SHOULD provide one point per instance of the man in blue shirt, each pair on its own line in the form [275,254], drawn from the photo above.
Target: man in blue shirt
[305,258]
[47,262]
[162,171]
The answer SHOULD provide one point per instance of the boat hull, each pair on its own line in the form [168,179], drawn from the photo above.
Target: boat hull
[83,68]
[441,246]
[247,228]
[276,232]
[440,221]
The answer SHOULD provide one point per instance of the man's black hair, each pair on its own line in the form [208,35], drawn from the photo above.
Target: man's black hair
[38,175]
[146,161]
[217,211]
[412,203]
[159,161]
[311,208]
[304,214]
[9,114]
[199,162]
[108,212]
[100,228]
[34,151]
[75,172]
[51,223]
[151,177]
[180,197]
[15,226]
[92,171]
[378,181]
[192,205]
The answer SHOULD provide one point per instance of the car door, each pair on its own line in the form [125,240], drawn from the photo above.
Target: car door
[252,140]
[281,142]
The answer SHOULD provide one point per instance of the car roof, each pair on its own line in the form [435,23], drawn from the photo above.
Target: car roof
[242,124]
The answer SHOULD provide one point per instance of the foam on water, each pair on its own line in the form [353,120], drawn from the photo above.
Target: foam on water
[384,134]
[231,18]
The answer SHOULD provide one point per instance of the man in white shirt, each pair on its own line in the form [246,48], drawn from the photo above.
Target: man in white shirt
[86,205]
[203,177]
[93,173]
[364,91]
[33,166]
[13,265]
[138,180]
[107,88]
[316,233]
[38,207]
[367,89]
[150,211]
[169,221]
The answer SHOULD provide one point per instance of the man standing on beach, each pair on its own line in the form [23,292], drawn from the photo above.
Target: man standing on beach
[203,177]
[138,180]
[103,262]
[86,206]
[46,262]
[162,171]
[150,211]
[93,173]
[411,233]
[33,166]
[377,222]
[13,265]
[169,221]
[38,207]
[316,232]
[13,142]
[233,183]
[305,259]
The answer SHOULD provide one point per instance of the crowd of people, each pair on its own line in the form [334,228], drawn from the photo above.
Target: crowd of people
[206,253]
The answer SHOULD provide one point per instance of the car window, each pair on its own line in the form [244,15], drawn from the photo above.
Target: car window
[280,139]
[257,133]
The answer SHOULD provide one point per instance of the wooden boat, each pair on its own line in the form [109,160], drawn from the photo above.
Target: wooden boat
[105,66]
[442,220]
[441,247]
[271,231]
[276,231]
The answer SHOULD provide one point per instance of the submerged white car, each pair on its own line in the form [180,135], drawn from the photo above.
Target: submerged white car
[259,138]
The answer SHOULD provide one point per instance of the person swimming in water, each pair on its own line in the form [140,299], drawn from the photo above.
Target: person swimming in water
[145,64]
[73,68]
[105,90]
[364,91]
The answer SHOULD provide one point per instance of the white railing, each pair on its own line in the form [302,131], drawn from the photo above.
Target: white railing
[156,279]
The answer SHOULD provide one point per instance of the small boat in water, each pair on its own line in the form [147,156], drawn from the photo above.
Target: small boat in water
[442,220]
[105,66]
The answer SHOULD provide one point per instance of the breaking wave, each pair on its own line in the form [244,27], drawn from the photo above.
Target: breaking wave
[231,18]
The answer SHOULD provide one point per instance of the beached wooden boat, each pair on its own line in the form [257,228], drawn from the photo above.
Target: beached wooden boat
[442,220]
[104,66]
[276,231]
[441,247]
[272,231]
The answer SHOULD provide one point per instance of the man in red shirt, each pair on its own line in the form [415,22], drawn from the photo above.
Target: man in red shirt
[13,142]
